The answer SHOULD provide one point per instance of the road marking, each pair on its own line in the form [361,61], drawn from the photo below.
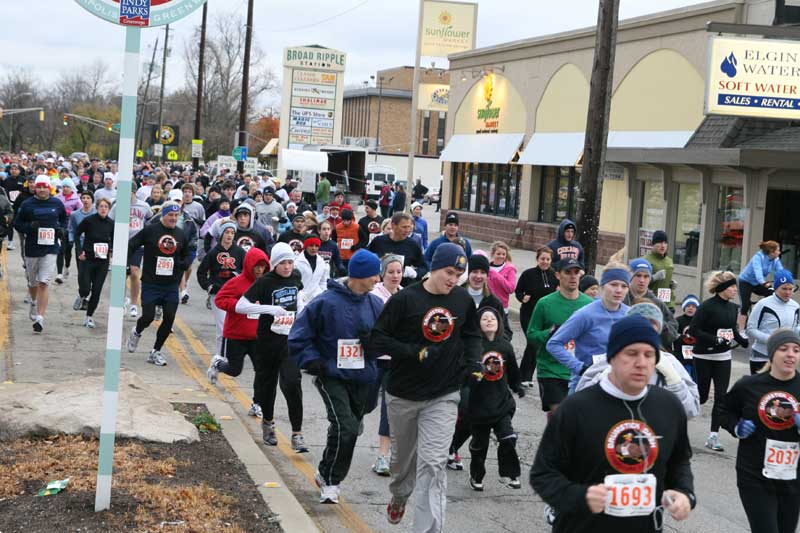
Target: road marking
[181,356]
[346,515]
[5,318]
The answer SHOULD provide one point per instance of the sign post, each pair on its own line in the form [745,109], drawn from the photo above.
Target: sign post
[133,14]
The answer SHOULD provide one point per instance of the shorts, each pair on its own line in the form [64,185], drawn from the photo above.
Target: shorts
[40,269]
[135,259]
[159,294]
[552,391]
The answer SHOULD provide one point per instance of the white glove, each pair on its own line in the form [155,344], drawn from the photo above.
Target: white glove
[275,310]
[410,272]
[666,369]
[658,276]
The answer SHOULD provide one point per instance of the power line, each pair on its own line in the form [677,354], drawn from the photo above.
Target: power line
[346,11]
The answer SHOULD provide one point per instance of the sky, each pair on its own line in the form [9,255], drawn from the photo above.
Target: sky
[375,34]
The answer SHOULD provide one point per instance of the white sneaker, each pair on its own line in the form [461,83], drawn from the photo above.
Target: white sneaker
[76,305]
[134,312]
[255,410]
[133,340]
[327,493]
[38,324]
[59,279]
[184,297]
[34,310]
[27,299]
[88,322]
[11,246]
[213,371]
[156,358]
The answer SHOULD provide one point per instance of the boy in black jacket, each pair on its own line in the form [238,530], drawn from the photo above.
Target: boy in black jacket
[491,406]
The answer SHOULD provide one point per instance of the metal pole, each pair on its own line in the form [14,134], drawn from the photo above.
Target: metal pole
[161,92]
[378,128]
[119,261]
[201,66]
[245,82]
[412,147]
[140,127]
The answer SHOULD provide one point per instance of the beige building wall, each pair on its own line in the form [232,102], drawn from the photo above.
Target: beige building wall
[565,102]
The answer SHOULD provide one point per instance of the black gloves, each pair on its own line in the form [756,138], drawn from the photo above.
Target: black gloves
[724,344]
[315,367]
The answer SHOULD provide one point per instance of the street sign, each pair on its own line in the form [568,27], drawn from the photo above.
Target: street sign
[139,153]
[197,148]
[158,150]
[172,155]
[160,12]
[134,13]
[240,153]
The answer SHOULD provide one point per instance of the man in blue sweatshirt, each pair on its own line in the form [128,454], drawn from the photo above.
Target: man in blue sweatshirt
[585,333]
[565,246]
[43,221]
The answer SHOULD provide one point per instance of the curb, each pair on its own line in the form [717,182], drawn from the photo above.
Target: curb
[280,500]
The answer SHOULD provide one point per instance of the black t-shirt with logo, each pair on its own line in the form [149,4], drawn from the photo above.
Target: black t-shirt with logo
[166,253]
[248,238]
[413,319]
[272,289]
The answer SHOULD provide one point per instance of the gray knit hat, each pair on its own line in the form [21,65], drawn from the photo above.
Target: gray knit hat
[649,311]
[390,258]
[780,337]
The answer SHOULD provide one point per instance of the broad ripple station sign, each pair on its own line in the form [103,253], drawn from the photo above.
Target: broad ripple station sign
[753,78]
[142,13]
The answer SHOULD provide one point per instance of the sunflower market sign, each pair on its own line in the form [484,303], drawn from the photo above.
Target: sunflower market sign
[448,27]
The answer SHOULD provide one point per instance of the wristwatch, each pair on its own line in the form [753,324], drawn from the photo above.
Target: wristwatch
[692,498]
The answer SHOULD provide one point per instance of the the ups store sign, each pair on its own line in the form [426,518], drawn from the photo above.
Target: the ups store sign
[787,12]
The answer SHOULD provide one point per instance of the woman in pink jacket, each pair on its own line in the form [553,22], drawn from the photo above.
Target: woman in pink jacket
[502,273]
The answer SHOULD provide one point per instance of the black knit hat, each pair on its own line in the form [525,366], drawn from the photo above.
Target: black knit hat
[478,262]
[588,281]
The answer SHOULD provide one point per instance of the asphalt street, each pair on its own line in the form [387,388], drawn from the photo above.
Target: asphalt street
[67,350]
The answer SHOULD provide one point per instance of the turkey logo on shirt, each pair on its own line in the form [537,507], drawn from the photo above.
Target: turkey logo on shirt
[296,245]
[374,227]
[776,410]
[493,366]
[245,242]
[167,244]
[631,447]
[438,324]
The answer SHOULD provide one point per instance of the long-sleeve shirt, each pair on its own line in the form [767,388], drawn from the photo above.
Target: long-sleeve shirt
[76,218]
[98,237]
[759,267]
[766,316]
[669,328]
[166,253]
[715,319]
[502,281]
[407,249]
[536,283]
[41,221]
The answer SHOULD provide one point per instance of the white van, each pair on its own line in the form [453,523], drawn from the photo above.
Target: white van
[377,177]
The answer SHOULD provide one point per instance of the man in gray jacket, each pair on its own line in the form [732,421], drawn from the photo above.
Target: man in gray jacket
[642,274]
[270,211]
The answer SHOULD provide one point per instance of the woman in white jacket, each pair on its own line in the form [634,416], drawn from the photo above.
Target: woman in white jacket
[313,270]
[775,311]
[670,373]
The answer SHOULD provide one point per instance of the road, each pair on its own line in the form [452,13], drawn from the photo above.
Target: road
[66,350]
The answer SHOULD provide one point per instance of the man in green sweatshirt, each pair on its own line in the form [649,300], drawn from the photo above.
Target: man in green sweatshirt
[661,284]
[323,193]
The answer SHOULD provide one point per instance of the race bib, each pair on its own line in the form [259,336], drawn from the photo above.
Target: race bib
[349,354]
[347,244]
[780,459]
[46,237]
[165,266]
[101,250]
[282,324]
[135,224]
[665,295]
[688,352]
[726,334]
[253,316]
[630,494]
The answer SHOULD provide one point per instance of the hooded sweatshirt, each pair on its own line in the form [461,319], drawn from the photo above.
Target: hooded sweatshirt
[71,202]
[502,281]
[490,397]
[537,284]
[315,278]
[564,249]
[253,235]
[766,316]
[220,266]
[238,326]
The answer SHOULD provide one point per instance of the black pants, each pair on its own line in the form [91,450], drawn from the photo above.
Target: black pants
[281,370]
[528,364]
[771,506]
[234,351]
[720,373]
[745,290]
[91,279]
[461,434]
[385,211]
[167,319]
[345,402]
[64,258]
[507,459]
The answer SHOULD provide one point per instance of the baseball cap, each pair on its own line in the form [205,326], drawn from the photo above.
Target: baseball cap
[451,218]
[566,264]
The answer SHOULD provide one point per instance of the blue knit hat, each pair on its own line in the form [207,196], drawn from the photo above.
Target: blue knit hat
[690,299]
[449,255]
[641,264]
[363,264]
[782,277]
[631,330]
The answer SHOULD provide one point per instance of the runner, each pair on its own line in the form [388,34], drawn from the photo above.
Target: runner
[166,256]
[75,218]
[769,314]
[108,191]
[296,234]
[71,203]
[247,233]
[333,351]
[661,283]
[220,264]
[42,219]
[565,246]
[240,331]
[683,348]
[714,328]
[328,250]
[347,237]
[195,211]
[369,226]
[400,243]
[140,214]
[761,411]
[314,271]
[609,440]
[478,288]
[450,234]
[753,279]
[277,292]
[269,211]
[431,332]
[502,273]
[420,224]
[590,286]
[640,281]
[96,235]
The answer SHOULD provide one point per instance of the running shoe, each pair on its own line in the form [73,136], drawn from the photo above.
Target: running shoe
[213,371]
[549,515]
[85,304]
[299,444]
[268,433]
[76,305]
[38,324]
[133,340]
[712,443]
[454,462]
[88,322]
[27,299]
[33,312]
[381,467]
[528,384]
[476,485]
[134,312]
[11,246]
[184,297]
[156,358]
[511,482]
[66,273]
[329,494]
[255,410]
[159,312]
[59,279]
[395,511]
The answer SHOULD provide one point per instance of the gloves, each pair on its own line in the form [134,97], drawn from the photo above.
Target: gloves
[410,272]
[666,369]
[744,343]
[315,367]
[660,275]
[723,343]
[745,428]
[277,310]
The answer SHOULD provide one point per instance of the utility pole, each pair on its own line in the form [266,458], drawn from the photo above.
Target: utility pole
[200,67]
[161,92]
[594,150]
[412,148]
[144,98]
[245,82]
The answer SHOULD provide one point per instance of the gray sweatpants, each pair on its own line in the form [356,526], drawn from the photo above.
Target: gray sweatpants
[421,435]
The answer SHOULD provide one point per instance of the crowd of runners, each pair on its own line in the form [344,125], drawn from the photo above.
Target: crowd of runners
[420,332]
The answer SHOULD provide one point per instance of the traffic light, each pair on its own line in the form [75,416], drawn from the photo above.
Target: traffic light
[41,115]
[65,120]
[109,126]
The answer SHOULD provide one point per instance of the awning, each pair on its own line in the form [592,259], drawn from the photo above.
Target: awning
[565,149]
[304,160]
[487,148]
[271,148]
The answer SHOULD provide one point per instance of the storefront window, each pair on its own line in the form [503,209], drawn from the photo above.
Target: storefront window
[653,215]
[487,188]
[729,229]
[559,193]
[687,229]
